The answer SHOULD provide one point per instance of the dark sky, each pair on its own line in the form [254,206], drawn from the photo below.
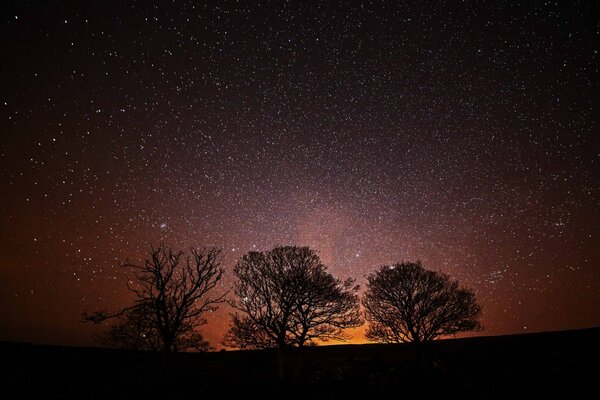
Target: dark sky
[465,135]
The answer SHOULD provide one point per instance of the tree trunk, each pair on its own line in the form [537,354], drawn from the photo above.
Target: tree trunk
[165,355]
[421,354]
[280,363]
[299,363]
[281,345]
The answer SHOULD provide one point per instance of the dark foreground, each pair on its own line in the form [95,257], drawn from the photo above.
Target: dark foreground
[520,366]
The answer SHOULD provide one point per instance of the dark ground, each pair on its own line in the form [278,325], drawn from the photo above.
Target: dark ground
[519,366]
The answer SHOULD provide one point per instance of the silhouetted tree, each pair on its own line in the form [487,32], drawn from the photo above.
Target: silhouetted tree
[132,330]
[246,334]
[287,298]
[136,329]
[407,303]
[172,294]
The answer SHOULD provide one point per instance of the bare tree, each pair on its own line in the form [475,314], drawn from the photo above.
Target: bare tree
[325,306]
[407,303]
[132,330]
[288,299]
[136,330]
[172,294]
[248,335]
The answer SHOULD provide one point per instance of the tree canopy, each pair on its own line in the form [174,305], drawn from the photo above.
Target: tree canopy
[286,297]
[172,294]
[406,303]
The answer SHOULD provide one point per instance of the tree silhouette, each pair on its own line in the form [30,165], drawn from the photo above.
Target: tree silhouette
[172,294]
[246,334]
[407,303]
[288,299]
[136,330]
[132,330]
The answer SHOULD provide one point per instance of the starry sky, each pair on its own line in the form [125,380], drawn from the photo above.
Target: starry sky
[462,134]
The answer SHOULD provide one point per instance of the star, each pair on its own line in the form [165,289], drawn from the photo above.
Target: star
[372,134]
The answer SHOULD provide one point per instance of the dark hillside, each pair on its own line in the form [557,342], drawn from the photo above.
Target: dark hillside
[517,366]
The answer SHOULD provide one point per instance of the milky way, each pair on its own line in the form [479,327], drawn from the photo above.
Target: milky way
[462,135]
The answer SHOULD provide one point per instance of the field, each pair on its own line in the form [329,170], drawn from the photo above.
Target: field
[517,366]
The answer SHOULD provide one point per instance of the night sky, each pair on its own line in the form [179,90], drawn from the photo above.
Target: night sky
[462,134]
